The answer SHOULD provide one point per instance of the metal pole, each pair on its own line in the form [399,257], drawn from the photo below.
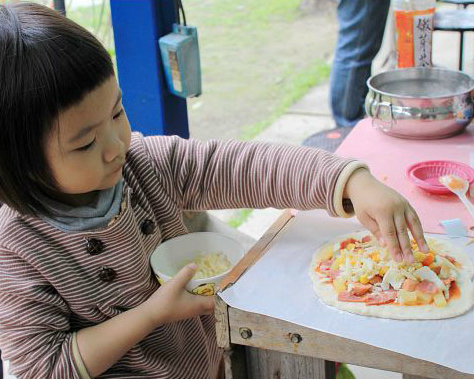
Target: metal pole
[60,6]
[138,25]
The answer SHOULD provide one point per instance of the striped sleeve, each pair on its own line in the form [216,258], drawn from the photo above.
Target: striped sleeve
[34,323]
[340,203]
[237,174]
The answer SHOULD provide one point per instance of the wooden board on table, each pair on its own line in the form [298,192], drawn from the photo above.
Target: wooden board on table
[258,250]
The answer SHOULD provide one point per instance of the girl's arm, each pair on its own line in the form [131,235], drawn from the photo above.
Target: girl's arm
[102,345]
[235,174]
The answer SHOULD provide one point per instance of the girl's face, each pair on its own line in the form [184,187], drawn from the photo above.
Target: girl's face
[87,151]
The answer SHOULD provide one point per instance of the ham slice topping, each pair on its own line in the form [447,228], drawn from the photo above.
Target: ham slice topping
[333,274]
[373,298]
[410,284]
[382,297]
[347,296]
[427,287]
[325,265]
[376,279]
[360,289]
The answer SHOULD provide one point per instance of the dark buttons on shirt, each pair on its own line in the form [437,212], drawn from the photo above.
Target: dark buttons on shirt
[148,227]
[94,246]
[107,274]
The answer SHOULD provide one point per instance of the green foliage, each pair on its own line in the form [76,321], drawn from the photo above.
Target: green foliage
[344,372]
[240,216]
[96,19]
[92,17]
[243,13]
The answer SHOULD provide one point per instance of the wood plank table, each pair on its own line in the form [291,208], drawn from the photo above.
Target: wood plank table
[259,346]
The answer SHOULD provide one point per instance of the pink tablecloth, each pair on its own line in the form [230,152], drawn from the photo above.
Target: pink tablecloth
[389,157]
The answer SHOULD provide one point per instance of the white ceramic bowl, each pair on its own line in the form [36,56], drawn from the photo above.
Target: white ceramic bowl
[172,255]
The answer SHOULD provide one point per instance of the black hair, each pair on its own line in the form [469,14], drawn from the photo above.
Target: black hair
[47,64]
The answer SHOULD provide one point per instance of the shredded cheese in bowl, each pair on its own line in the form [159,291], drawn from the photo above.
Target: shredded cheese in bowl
[211,264]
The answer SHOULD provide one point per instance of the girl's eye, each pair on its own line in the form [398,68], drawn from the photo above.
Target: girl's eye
[118,114]
[87,147]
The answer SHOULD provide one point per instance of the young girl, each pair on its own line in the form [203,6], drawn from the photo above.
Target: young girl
[87,201]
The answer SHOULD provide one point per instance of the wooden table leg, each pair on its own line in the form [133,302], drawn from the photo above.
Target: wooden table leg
[270,364]
[235,363]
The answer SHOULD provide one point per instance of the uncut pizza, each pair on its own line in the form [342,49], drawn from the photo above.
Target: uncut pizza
[355,274]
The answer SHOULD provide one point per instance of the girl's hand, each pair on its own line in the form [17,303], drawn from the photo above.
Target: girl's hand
[386,213]
[171,302]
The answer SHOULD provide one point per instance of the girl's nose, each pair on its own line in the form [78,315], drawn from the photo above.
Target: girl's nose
[114,148]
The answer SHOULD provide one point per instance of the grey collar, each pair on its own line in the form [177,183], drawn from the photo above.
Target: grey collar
[89,217]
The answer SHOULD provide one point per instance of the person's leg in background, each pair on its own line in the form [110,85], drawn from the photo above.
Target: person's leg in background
[361,28]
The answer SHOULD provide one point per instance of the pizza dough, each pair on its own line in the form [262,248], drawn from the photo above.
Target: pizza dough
[369,263]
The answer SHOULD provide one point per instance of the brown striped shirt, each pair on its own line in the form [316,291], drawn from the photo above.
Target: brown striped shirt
[50,285]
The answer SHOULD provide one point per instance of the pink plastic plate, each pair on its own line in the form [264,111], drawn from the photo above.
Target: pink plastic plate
[425,174]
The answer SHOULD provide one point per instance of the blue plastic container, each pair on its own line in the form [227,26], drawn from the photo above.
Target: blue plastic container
[180,55]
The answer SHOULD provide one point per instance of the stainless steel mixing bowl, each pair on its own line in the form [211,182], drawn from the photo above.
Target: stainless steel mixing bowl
[420,103]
